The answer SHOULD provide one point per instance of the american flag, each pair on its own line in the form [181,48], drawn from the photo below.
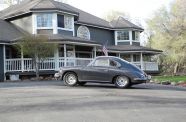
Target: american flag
[105,51]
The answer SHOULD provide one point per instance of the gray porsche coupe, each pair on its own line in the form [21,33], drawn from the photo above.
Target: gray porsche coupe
[104,69]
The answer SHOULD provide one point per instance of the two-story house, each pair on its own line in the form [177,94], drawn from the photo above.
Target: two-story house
[79,36]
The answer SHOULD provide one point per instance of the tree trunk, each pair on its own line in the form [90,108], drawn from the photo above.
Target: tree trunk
[37,67]
[175,68]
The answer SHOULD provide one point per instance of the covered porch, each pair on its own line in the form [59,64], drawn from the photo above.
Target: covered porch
[75,55]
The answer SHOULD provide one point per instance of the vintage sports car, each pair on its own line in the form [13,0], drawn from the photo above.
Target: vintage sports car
[104,69]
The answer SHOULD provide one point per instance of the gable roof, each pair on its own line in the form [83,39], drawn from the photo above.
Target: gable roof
[8,32]
[28,6]
[121,23]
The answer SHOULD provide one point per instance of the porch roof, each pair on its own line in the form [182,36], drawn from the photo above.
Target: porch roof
[8,32]
[132,48]
[58,38]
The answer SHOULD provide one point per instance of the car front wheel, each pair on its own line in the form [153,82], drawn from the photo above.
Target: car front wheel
[70,79]
[122,82]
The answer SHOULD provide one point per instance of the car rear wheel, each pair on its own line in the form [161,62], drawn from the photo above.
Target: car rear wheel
[70,79]
[122,82]
[82,83]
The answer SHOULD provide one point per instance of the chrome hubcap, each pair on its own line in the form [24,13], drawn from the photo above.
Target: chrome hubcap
[71,79]
[122,81]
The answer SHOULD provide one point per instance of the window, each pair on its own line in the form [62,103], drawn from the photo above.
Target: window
[65,21]
[83,32]
[44,20]
[136,57]
[101,62]
[114,63]
[60,21]
[135,35]
[123,35]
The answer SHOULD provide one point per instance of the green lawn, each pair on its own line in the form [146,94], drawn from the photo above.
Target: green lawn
[170,78]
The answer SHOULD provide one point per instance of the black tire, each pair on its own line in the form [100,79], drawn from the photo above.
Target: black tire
[122,82]
[82,83]
[70,79]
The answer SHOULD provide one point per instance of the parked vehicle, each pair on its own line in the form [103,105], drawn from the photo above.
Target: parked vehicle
[104,69]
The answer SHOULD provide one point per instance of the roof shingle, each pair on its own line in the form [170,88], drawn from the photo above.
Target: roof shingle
[84,17]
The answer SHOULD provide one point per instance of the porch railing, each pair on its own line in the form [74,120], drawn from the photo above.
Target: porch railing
[147,66]
[27,64]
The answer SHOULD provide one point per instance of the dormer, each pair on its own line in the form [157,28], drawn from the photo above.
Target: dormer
[125,32]
[42,17]
[53,23]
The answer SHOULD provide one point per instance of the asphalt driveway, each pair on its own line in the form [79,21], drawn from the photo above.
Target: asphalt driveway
[51,101]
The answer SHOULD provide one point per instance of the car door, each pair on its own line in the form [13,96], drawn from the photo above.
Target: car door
[113,69]
[98,71]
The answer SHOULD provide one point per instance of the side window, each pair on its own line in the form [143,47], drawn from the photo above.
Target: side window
[101,62]
[114,63]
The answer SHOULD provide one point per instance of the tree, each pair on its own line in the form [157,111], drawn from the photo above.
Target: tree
[168,28]
[38,48]
[112,15]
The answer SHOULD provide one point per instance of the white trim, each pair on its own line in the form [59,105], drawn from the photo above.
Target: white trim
[130,37]
[95,50]
[34,24]
[22,60]
[17,15]
[65,55]
[54,23]
[65,29]
[130,29]
[56,58]
[79,23]
[131,57]
[48,28]
[73,27]
[57,11]
[115,37]
[5,43]
[123,40]
[4,59]
[141,61]
[77,43]
[138,52]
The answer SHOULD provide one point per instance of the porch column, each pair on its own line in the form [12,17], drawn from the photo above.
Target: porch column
[22,60]
[56,59]
[130,37]
[65,55]
[119,55]
[95,51]
[141,61]
[4,60]
[131,57]
[74,55]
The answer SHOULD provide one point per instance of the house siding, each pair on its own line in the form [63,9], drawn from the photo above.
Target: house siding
[136,43]
[99,35]
[123,43]
[24,23]
[1,64]
[66,33]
